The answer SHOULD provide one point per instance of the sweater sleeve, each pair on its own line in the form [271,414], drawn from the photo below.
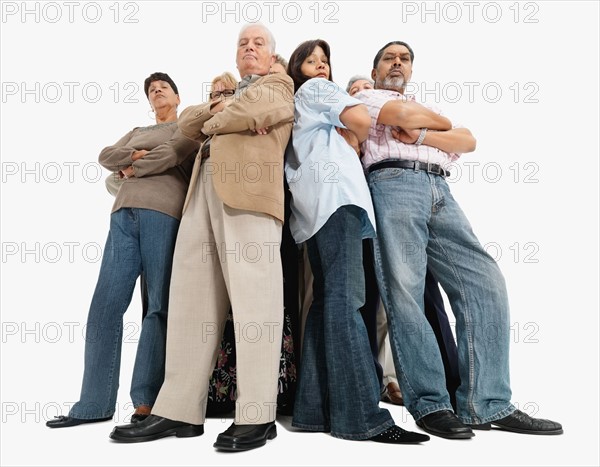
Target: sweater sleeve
[166,155]
[117,156]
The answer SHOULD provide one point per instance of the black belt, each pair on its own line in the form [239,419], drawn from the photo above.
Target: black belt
[415,165]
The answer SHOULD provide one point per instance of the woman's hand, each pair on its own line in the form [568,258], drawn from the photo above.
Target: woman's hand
[223,102]
[127,172]
[350,138]
[138,154]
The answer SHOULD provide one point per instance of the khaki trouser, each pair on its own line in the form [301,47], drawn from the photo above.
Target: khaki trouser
[223,256]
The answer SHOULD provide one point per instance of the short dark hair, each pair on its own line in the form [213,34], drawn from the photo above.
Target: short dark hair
[158,76]
[380,53]
[298,57]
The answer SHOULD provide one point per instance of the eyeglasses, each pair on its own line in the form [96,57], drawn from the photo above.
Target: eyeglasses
[225,93]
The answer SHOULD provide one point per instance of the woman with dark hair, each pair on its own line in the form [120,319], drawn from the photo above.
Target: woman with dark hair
[155,163]
[332,211]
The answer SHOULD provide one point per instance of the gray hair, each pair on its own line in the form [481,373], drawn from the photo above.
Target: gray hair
[270,37]
[356,78]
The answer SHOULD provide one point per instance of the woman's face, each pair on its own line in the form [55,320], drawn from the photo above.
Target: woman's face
[161,95]
[359,85]
[316,64]
[219,90]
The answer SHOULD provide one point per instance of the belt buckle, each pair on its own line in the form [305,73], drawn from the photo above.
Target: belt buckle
[431,170]
[440,171]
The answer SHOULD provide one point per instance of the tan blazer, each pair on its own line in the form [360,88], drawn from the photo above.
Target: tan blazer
[246,168]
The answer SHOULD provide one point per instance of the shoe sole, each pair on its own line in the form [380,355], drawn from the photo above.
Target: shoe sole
[481,427]
[235,447]
[488,427]
[82,422]
[400,441]
[528,432]
[465,435]
[180,432]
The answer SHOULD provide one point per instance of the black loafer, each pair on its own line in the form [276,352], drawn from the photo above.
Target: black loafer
[63,421]
[155,427]
[520,422]
[446,425]
[245,437]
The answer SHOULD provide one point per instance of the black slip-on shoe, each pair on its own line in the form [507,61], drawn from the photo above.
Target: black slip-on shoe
[245,437]
[155,427]
[446,425]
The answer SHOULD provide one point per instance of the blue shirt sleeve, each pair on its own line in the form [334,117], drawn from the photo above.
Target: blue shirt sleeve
[325,100]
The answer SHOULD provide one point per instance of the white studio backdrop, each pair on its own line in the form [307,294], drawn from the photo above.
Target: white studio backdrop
[523,76]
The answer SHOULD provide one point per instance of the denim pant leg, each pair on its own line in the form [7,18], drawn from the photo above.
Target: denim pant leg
[352,384]
[158,233]
[477,292]
[402,205]
[311,407]
[121,266]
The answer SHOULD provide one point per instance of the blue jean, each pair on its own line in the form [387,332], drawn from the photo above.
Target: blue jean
[138,240]
[338,390]
[419,224]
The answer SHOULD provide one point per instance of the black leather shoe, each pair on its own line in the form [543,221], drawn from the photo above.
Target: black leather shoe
[446,425]
[244,437]
[138,417]
[155,427]
[482,427]
[520,422]
[397,435]
[64,422]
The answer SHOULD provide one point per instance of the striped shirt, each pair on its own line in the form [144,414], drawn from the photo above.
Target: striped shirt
[381,145]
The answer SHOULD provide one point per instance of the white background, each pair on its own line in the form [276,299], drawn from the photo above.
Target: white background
[533,199]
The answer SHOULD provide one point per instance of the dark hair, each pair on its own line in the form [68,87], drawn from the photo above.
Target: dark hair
[298,57]
[380,53]
[158,76]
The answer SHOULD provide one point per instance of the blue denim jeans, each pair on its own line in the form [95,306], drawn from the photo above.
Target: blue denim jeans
[419,224]
[338,389]
[138,240]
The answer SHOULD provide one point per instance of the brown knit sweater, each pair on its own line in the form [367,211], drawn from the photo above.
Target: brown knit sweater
[161,176]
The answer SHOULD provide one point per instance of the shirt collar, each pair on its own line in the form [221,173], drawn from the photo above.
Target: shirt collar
[248,80]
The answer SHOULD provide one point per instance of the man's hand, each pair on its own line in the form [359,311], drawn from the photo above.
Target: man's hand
[350,138]
[138,154]
[261,131]
[405,136]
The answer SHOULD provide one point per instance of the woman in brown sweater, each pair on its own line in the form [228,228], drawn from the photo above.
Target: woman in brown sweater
[155,163]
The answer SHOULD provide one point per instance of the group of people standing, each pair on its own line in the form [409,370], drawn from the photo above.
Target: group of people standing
[200,215]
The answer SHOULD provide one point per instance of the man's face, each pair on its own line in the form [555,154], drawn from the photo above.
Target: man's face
[394,69]
[360,85]
[254,52]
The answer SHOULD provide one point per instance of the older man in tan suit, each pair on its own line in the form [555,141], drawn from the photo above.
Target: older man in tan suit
[227,252]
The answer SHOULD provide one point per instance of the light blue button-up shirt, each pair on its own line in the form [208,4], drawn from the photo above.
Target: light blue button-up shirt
[322,170]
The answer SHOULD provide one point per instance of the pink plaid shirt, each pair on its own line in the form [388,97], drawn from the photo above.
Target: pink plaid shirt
[381,145]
